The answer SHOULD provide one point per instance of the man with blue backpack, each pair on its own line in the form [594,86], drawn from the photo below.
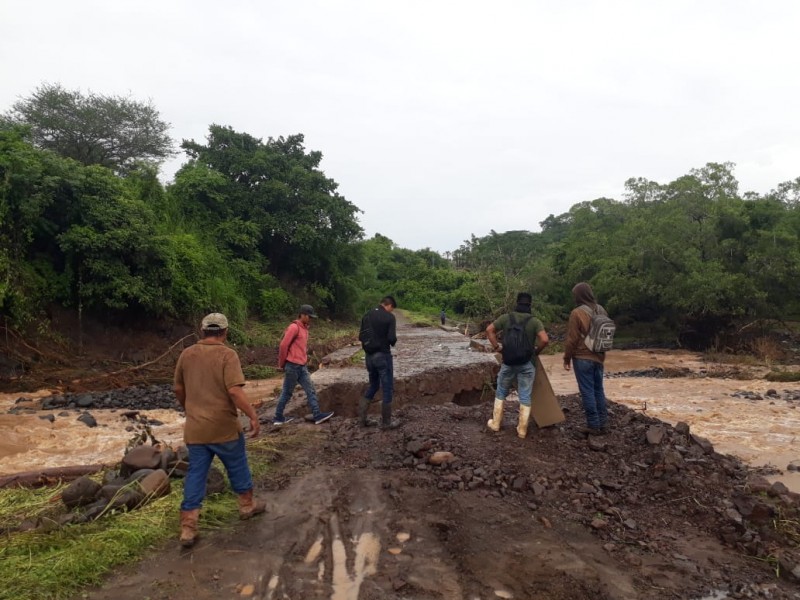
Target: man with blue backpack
[523,337]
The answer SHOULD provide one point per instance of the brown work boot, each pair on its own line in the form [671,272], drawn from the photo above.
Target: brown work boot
[590,431]
[250,506]
[189,520]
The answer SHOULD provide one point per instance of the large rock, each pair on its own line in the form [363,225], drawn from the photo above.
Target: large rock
[80,492]
[438,458]
[138,475]
[155,485]
[655,433]
[141,457]
[110,490]
[128,498]
[753,509]
[88,420]
[703,443]
[215,483]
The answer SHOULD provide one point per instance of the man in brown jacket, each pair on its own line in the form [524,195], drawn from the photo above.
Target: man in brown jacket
[588,365]
[208,385]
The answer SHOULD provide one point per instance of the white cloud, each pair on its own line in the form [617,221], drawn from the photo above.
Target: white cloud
[442,119]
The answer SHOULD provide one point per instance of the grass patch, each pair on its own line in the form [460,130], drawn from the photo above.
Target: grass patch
[260,372]
[358,358]
[420,319]
[782,376]
[52,565]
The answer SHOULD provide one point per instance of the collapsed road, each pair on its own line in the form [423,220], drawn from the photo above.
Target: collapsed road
[441,508]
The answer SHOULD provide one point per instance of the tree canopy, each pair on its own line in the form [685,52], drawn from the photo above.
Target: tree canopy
[254,227]
[95,129]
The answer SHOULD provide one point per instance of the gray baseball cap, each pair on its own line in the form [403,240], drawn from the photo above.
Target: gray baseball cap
[307,309]
[214,321]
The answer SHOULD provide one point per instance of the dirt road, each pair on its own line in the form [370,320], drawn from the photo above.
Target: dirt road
[363,514]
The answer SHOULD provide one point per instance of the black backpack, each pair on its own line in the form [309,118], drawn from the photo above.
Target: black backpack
[517,347]
[367,336]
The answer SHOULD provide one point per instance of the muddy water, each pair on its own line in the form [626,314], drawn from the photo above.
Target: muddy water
[760,432]
[28,443]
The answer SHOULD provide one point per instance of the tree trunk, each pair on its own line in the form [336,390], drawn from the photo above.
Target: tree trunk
[44,477]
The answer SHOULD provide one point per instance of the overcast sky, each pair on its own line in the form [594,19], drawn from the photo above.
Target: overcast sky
[440,119]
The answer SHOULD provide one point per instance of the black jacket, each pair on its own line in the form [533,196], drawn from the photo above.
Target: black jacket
[382,325]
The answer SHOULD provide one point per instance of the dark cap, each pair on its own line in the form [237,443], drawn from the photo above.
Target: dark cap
[524,298]
[307,309]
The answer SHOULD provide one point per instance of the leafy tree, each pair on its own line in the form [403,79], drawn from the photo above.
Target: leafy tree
[272,199]
[95,129]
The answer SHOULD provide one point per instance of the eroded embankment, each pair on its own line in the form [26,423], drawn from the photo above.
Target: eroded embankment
[431,366]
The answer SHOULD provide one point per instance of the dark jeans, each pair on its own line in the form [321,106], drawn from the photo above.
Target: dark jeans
[297,374]
[380,367]
[233,456]
[589,374]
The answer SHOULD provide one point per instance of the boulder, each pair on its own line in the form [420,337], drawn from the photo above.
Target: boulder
[215,484]
[88,420]
[80,492]
[128,498]
[682,428]
[703,443]
[141,457]
[94,510]
[138,475]
[757,484]
[655,433]
[777,489]
[438,458]
[156,484]
[109,491]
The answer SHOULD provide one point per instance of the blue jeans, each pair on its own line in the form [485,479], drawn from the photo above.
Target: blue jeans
[380,366]
[524,375]
[297,374]
[589,374]
[232,455]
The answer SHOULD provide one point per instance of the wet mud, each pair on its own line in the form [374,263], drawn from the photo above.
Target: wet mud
[360,513]
[364,514]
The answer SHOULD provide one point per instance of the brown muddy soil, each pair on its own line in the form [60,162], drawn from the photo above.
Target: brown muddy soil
[362,514]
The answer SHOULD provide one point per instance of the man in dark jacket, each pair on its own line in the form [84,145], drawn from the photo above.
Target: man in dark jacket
[378,335]
[588,365]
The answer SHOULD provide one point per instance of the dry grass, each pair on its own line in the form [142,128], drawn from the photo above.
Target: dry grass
[768,349]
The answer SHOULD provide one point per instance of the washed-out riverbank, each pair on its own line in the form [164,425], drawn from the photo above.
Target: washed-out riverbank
[760,432]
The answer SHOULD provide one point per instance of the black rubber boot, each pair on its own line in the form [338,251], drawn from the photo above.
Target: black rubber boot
[363,407]
[386,417]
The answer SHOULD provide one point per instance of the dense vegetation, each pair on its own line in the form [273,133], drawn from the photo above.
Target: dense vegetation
[254,227]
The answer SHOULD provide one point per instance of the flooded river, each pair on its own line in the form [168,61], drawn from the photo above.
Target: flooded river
[760,432]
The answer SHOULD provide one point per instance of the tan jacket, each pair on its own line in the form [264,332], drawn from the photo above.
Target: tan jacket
[574,346]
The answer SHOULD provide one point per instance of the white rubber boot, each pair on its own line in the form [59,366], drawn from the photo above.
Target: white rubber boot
[524,417]
[497,416]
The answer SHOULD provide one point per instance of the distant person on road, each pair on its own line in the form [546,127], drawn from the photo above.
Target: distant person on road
[443,316]
[523,338]
[293,358]
[378,335]
[588,365]
[209,386]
